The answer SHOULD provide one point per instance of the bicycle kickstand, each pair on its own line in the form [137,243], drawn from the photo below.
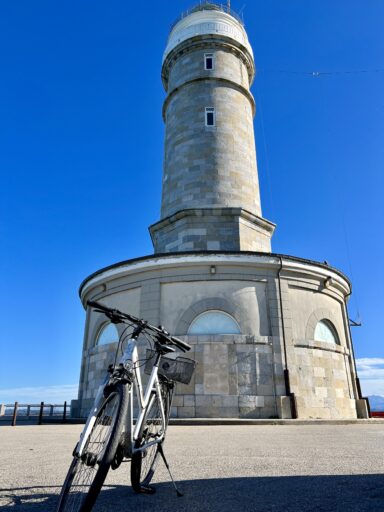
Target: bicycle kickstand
[161,451]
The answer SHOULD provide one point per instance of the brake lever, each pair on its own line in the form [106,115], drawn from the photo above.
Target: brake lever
[115,318]
[163,331]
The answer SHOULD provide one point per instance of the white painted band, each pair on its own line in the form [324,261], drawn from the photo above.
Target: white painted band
[205,23]
[183,260]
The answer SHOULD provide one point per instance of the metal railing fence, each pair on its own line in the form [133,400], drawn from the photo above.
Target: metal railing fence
[207,5]
[34,412]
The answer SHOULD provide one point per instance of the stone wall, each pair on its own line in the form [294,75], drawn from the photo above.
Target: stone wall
[212,229]
[320,372]
[190,65]
[237,375]
[208,166]
[321,381]
[234,378]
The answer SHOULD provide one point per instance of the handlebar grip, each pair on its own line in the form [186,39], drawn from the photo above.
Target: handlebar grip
[182,345]
[94,304]
[113,314]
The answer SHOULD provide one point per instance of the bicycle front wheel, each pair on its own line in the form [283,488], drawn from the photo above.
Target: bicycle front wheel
[86,474]
[144,463]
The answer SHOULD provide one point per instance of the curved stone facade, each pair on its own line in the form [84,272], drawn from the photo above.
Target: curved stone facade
[208,167]
[276,301]
[229,65]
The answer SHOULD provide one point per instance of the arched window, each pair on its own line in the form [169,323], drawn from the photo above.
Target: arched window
[214,322]
[107,334]
[325,331]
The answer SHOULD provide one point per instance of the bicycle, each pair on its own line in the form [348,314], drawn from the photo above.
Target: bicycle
[113,432]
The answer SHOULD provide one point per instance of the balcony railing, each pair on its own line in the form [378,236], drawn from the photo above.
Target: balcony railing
[206,5]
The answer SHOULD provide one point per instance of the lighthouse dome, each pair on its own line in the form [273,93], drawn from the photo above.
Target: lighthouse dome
[207,19]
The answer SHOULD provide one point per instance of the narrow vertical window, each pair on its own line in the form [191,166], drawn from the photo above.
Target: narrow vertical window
[210,116]
[208,58]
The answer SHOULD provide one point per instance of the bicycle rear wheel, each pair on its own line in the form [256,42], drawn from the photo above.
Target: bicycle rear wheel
[144,463]
[86,474]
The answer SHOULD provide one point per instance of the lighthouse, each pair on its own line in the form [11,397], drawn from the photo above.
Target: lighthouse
[211,197]
[270,332]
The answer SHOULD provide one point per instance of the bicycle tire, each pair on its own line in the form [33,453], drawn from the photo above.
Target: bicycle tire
[144,463]
[84,481]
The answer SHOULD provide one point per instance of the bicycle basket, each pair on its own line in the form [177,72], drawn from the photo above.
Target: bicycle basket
[180,369]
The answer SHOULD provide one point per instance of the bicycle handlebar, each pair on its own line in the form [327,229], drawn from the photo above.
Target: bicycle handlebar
[117,316]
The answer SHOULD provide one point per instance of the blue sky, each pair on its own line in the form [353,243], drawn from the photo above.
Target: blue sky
[81,144]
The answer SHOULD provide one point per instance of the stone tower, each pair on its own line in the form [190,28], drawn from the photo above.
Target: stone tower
[211,198]
[270,332]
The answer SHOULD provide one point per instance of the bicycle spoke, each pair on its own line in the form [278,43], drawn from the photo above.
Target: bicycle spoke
[85,468]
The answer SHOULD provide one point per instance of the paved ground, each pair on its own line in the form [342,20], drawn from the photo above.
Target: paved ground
[220,468]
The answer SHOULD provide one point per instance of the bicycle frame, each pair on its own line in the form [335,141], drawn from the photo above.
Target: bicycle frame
[144,396]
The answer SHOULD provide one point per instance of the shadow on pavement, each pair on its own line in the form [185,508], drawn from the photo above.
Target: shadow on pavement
[360,493]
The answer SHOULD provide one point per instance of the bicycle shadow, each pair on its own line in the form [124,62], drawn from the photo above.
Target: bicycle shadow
[337,493]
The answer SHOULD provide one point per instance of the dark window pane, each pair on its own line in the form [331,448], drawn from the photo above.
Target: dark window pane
[210,119]
[209,63]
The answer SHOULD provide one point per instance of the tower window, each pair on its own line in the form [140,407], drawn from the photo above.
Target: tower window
[325,331]
[210,116]
[208,58]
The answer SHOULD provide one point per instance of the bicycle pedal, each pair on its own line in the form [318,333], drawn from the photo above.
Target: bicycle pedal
[118,458]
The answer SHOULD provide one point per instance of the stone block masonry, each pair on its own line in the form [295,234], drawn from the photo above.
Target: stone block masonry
[210,192]
[237,375]
[212,229]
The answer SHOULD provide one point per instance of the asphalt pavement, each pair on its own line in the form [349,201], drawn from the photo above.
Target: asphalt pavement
[219,468]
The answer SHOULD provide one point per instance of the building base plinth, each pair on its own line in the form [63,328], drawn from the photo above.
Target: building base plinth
[362,408]
[212,229]
[284,407]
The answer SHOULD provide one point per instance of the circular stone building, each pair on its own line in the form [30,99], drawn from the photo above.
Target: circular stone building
[270,333]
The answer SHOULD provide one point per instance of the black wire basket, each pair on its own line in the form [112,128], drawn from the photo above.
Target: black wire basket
[180,369]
